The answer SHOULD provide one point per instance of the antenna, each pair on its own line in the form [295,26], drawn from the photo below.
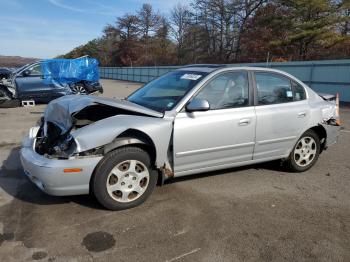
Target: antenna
[267,59]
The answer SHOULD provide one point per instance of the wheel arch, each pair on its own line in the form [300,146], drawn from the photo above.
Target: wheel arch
[322,135]
[5,91]
[133,137]
[130,137]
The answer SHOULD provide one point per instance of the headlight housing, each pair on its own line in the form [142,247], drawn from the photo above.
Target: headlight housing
[65,147]
[53,144]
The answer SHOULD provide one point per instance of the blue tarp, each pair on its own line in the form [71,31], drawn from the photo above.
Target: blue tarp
[67,71]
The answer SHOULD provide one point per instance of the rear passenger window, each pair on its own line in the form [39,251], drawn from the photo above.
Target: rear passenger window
[273,89]
[299,92]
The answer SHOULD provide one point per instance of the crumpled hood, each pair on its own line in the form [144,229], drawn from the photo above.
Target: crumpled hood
[60,111]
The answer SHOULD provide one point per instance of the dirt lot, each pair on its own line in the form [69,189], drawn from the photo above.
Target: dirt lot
[255,213]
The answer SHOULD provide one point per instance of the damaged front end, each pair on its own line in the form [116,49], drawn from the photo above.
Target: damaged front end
[66,115]
[51,142]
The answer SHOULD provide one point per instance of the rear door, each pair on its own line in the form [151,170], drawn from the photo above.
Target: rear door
[221,136]
[282,112]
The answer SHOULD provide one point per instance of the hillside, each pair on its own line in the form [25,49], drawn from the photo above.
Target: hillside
[15,61]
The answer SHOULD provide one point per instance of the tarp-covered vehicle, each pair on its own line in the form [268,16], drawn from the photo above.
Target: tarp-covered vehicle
[192,120]
[46,80]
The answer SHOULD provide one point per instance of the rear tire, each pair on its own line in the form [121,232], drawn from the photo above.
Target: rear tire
[124,178]
[79,89]
[305,152]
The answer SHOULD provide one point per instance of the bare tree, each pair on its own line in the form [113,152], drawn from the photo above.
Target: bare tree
[181,20]
[243,10]
[223,22]
[128,25]
[148,20]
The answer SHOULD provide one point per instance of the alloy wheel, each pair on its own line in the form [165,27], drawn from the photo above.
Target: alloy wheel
[78,90]
[305,151]
[127,181]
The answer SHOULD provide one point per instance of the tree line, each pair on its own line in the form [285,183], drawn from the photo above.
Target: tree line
[225,31]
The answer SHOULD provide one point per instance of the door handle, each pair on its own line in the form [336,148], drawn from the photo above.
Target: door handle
[244,122]
[302,114]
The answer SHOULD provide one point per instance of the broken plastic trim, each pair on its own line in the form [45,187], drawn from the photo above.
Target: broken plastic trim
[327,97]
[332,121]
[332,131]
[50,141]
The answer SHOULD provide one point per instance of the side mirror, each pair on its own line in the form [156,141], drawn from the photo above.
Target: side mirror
[26,73]
[197,104]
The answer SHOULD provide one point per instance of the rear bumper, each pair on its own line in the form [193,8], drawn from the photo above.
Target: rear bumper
[332,134]
[93,87]
[49,176]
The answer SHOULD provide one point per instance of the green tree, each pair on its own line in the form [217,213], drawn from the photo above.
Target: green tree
[310,24]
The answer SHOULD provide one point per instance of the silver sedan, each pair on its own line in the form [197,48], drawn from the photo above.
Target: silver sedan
[196,119]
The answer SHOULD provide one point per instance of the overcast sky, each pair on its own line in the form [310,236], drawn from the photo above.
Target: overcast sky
[47,28]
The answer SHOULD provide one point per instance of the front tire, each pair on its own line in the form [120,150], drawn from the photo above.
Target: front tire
[4,94]
[124,178]
[305,152]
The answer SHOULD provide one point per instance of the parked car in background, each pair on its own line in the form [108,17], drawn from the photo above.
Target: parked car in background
[28,83]
[4,73]
[192,120]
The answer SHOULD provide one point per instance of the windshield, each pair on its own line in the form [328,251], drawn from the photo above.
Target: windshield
[19,69]
[163,94]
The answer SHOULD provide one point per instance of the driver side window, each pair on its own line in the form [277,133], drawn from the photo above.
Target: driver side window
[35,70]
[228,90]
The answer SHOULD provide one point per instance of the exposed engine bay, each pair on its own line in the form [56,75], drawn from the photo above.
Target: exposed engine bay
[62,117]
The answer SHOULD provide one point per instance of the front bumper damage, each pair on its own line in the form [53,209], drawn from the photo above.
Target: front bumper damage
[69,138]
[49,174]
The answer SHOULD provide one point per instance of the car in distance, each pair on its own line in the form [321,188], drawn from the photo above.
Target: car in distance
[27,83]
[195,119]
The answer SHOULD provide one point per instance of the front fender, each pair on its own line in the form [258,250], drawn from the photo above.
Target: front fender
[123,141]
[105,131]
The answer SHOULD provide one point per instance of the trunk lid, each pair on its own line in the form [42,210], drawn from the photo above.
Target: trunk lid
[327,97]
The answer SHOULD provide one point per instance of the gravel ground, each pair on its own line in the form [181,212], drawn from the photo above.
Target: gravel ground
[254,213]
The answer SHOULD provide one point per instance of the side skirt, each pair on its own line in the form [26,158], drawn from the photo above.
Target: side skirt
[226,166]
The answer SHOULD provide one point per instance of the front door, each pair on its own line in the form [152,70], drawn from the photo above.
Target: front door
[33,86]
[221,136]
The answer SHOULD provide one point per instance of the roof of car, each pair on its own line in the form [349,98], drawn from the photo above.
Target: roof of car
[211,68]
[208,68]
[202,67]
